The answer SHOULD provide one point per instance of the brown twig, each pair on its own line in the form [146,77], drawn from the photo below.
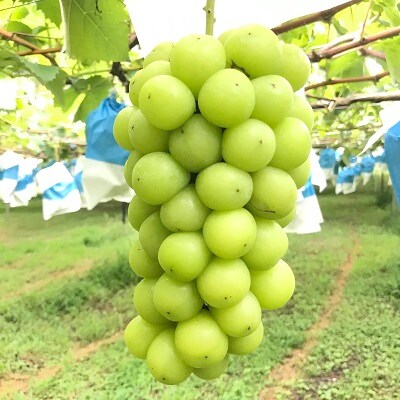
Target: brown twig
[324,16]
[16,39]
[316,56]
[39,51]
[372,53]
[370,78]
[346,101]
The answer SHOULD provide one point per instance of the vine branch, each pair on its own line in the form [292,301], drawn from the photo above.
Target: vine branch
[370,78]
[346,101]
[324,16]
[39,51]
[210,18]
[372,53]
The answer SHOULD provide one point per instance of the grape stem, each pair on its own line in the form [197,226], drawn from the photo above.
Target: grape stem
[210,19]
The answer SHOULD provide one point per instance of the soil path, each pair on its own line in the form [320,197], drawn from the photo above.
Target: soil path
[290,369]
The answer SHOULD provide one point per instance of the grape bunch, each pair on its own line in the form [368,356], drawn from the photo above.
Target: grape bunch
[219,144]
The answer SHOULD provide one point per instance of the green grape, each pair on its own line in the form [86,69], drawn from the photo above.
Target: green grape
[195,58]
[224,283]
[254,49]
[144,304]
[287,219]
[301,173]
[227,98]
[274,99]
[200,341]
[213,371]
[293,144]
[249,145]
[161,52]
[184,255]
[241,319]
[154,69]
[130,163]
[142,264]
[157,177]
[274,193]
[139,211]
[145,137]
[185,211]
[230,234]
[164,361]
[274,287]
[120,128]
[152,233]
[301,109]
[296,67]
[247,344]
[139,334]
[271,245]
[177,301]
[166,102]
[224,187]
[196,144]
[224,36]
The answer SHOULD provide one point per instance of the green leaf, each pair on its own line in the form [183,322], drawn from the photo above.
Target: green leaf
[389,8]
[97,90]
[350,64]
[95,30]
[391,49]
[51,9]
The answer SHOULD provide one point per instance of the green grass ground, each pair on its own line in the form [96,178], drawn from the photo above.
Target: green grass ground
[50,309]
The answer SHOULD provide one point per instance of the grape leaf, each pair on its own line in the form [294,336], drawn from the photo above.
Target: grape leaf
[51,9]
[391,49]
[347,65]
[95,30]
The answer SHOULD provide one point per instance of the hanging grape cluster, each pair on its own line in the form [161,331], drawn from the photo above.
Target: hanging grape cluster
[219,145]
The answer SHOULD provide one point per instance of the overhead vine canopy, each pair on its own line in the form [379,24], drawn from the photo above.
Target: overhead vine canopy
[79,49]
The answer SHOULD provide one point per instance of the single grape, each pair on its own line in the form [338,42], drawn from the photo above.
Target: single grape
[157,177]
[142,264]
[152,233]
[185,211]
[224,283]
[227,98]
[230,234]
[145,137]
[301,109]
[254,49]
[301,173]
[247,344]
[144,304]
[195,58]
[139,211]
[249,145]
[130,163]
[241,319]
[271,245]
[274,287]
[274,193]
[154,69]
[293,144]
[164,361]
[213,371]
[200,341]
[196,144]
[177,301]
[139,334]
[224,36]
[224,187]
[161,52]
[287,219]
[120,128]
[296,67]
[274,99]
[184,255]
[166,102]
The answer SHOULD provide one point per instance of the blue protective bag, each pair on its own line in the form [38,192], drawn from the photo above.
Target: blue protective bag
[392,157]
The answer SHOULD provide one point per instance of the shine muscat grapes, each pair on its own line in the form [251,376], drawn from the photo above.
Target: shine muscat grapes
[219,140]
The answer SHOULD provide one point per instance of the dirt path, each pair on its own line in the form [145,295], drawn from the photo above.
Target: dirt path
[78,270]
[290,369]
[12,383]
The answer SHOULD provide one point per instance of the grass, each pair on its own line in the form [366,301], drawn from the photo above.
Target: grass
[355,358]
